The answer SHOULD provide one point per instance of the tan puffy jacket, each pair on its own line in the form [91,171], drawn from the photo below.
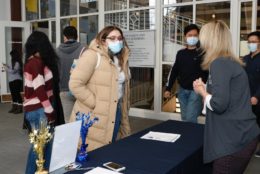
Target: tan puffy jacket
[96,90]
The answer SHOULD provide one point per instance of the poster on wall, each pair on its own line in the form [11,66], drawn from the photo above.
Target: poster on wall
[142,48]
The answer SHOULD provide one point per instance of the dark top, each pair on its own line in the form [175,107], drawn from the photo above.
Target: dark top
[67,52]
[186,69]
[253,71]
[231,125]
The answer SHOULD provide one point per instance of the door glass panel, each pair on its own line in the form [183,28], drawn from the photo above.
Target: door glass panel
[87,6]
[213,11]
[53,33]
[68,7]
[117,19]
[67,22]
[47,9]
[142,19]
[115,5]
[41,26]
[142,88]
[245,26]
[175,19]
[88,28]
[13,41]
[141,3]
[167,2]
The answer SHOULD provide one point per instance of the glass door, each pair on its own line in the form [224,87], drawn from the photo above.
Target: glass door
[246,12]
[13,36]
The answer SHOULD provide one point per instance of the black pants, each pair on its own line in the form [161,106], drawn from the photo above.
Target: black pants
[235,163]
[256,110]
[16,87]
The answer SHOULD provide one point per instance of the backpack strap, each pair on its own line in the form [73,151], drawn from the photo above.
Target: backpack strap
[98,60]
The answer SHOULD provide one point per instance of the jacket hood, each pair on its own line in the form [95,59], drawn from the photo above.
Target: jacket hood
[69,48]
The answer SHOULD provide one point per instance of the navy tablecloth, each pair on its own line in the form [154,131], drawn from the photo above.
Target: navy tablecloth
[141,156]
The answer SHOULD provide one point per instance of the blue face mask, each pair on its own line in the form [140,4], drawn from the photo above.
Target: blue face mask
[252,47]
[116,46]
[191,41]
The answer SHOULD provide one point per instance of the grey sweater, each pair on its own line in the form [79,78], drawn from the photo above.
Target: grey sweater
[231,125]
[67,52]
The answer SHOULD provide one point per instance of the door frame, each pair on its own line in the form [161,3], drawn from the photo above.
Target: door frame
[3,54]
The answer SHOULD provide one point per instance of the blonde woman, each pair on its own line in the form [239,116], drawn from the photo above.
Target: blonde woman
[100,83]
[231,131]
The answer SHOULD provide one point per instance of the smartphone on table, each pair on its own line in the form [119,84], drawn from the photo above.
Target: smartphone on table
[114,166]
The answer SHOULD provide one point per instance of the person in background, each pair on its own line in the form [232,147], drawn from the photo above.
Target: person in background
[68,52]
[41,90]
[252,61]
[100,82]
[15,81]
[230,134]
[186,69]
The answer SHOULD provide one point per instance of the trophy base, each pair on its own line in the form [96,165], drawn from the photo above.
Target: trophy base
[41,172]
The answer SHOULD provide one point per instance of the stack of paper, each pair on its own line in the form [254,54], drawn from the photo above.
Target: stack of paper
[100,170]
[160,136]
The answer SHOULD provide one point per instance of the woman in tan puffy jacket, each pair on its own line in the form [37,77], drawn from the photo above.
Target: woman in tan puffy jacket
[100,83]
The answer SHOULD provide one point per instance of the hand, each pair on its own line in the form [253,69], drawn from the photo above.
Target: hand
[199,86]
[167,94]
[254,100]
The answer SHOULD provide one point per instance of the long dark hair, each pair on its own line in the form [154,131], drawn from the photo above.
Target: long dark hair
[38,42]
[16,57]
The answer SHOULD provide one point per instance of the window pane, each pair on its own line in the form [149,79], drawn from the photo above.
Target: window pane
[258,16]
[68,7]
[167,2]
[245,27]
[53,33]
[117,19]
[142,19]
[88,6]
[141,3]
[142,88]
[88,27]
[175,19]
[32,10]
[41,26]
[67,22]
[213,11]
[47,8]
[115,5]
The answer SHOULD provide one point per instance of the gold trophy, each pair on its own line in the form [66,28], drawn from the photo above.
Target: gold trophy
[39,138]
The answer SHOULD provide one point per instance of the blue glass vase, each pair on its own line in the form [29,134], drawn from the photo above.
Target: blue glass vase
[82,153]
[85,125]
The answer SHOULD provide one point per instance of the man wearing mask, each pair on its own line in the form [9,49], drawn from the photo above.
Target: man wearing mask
[186,69]
[68,52]
[252,61]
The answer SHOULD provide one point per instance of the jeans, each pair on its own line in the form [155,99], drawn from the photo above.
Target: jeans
[117,121]
[34,118]
[191,105]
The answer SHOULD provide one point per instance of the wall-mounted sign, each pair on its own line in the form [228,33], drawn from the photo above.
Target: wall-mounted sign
[142,48]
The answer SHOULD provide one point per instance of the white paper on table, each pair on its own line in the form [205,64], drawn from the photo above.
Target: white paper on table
[161,136]
[100,170]
[65,144]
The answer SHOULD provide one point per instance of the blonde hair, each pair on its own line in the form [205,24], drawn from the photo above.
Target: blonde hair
[216,42]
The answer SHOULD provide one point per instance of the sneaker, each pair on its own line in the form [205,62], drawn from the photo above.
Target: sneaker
[257,154]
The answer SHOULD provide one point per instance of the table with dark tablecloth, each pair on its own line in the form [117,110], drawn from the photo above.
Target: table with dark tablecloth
[141,156]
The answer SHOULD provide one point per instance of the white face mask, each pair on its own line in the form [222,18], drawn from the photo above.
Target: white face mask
[191,41]
[252,47]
